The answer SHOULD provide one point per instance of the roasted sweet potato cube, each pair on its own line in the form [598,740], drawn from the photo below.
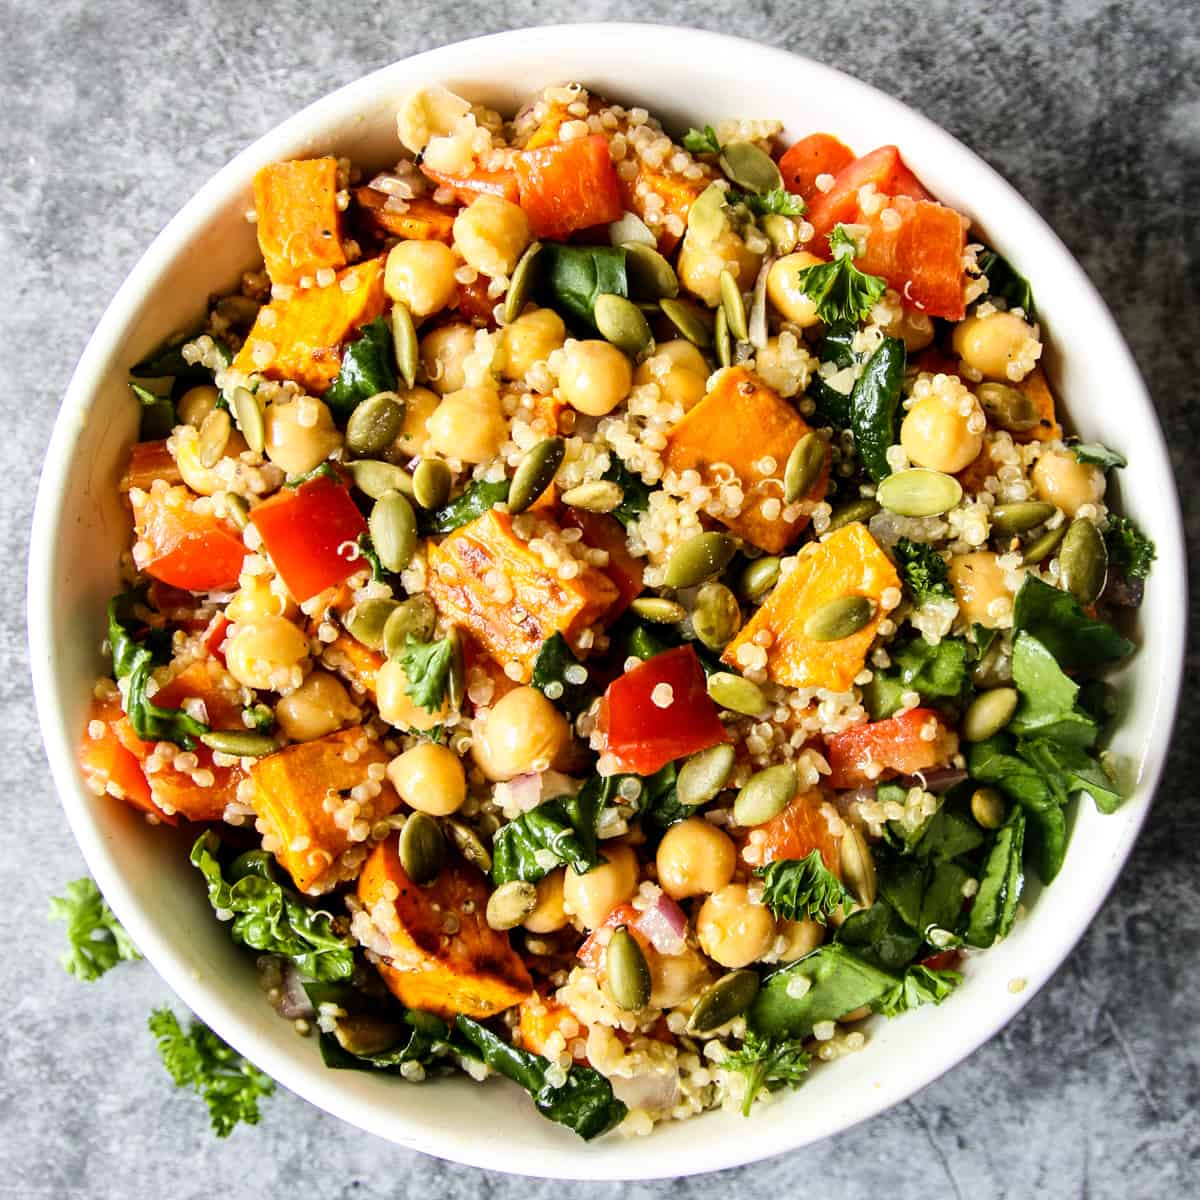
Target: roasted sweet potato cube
[848,562]
[444,958]
[420,219]
[1048,429]
[676,191]
[149,461]
[299,223]
[304,795]
[355,662]
[488,580]
[734,428]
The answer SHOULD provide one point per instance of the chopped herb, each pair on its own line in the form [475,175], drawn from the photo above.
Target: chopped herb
[777,200]
[324,470]
[366,549]
[555,661]
[98,941]
[838,289]
[427,668]
[919,986]
[768,1064]
[1098,455]
[797,889]
[637,494]
[923,570]
[1129,550]
[477,499]
[702,141]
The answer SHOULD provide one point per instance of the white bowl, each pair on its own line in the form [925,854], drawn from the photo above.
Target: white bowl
[685,77]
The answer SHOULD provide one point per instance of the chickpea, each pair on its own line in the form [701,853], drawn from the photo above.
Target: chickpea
[1060,479]
[679,370]
[491,233]
[785,293]
[268,653]
[468,424]
[300,434]
[994,345]
[205,481]
[421,275]
[429,778]
[937,434]
[695,858]
[397,707]
[196,403]
[522,732]
[548,915]
[419,405]
[589,898]
[977,582]
[443,354]
[531,338]
[675,978]
[319,706]
[914,329]
[731,930]
[701,262]
[595,377]
[256,598]
[800,938]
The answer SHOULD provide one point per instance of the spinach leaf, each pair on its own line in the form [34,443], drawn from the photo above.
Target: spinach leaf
[368,367]
[832,405]
[158,414]
[323,470]
[1129,550]
[98,941]
[1056,619]
[167,362]
[873,405]
[942,904]
[641,642]
[573,276]
[1006,283]
[702,141]
[919,986]
[934,672]
[880,936]
[658,800]
[803,888]
[269,916]
[841,292]
[923,570]
[1098,455]
[473,503]
[882,694]
[902,885]
[995,906]
[637,494]
[550,676]
[1077,769]
[584,1102]
[427,667]
[1048,697]
[950,833]
[768,1064]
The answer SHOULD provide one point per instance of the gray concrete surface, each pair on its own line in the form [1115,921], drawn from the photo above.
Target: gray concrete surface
[113,113]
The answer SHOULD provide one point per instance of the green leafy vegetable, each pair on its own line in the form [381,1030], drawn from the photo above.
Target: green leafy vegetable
[803,888]
[97,939]
[880,936]
[942,905]
[323,470]
[573,276]
[933,671]
[919,986]
[167,362]
[837,347]
[565,826]
[473,503]
[368,367]
[838,289]
[158,414]
[427,667]
[1077,770]
[658,801]
[1048,697]
[1098,455]
[366,549]
[637,494]
[777,200]
[768,1064]
[1056,619]
[555,659]
[197,1058]
[924,571]
[702,141]
[995,906]
[269,916]
[873,404]
[1006,283]
[1129,550]
[948,834]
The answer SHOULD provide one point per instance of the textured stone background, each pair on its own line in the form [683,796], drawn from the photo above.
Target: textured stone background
[114,113]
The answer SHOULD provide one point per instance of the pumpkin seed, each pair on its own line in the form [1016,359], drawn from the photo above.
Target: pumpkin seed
[649,308]
[413,617]
[213,437]
[1008,408]
[520,285]
[364,1033]
[994,668]
[598,495]
[404,340]
[699,558]
[393,527]
[469,844]
[758,578]
[1043,545]
[456,678]
[243,743]
[688,319]
[376,478]
[239,510]
[703,775]
[534,473]
[736,694]
[707,219]
[510,904]
[919,492]
[374,424]
[716,615]
[988,713]
[627,971]
[650,276]
[366,620]
[431,483]
[720,1002]
[756,323]
[853,510]
[622,323]
[840,618]
[782,232]
[422,848]
[658,610]
[1020,516]
[1083,561]
[803,466]
[988,807]
[734,306]
[250,420]
[751,169]
[629,229]
[765,795]
[858,866]
[722,343]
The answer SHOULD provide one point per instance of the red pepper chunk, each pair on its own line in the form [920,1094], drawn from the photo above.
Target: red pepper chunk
[658,712]
[192,550]
[881,749]
[478,182]
[817,154]
[310,532]
[839,206]
[568,186]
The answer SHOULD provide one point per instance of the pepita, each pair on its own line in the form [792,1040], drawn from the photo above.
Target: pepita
[414,617]
[722,342]
[689,320]
[757,330]
[456,678]
[988,807]
[629,229]
[658,610]
[404,341]
[1020,516]
[703,775]
[1083,561]
[422,848]
[597,495]
[989,713]
[858,866]
[249,416]
[1043,545]
[214,434]
[699,558]
[627,971]
[393,527]
[734,306]
[469,844]
[534,473]
[720,1002]
[803,466]
[376,478]
[736,693]
[707,219]
[765,795]
[374,424]
[919,492]
[1008,408]
[758,578]
[650,276]
[431,483]
[840,618]
[364,1033]
[510,904]
[716,615]
[520,285]
[751,169]
[622,323]
[853,510]
[243,743]
[366,620]
[239,510]
[782,232]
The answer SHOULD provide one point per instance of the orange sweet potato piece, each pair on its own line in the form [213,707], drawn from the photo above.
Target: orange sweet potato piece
[354,661]
[306,331]
[979,469]
[421,219]
[1034,386]
[603,532]
[677,192]
[109,767]
[848,562]
[299,224]
[740,422]
[149,461]
[541,1017]
[462,583]
[445,957]
[291,788]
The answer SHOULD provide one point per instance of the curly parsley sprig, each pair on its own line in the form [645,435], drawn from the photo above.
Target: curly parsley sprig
[98,941]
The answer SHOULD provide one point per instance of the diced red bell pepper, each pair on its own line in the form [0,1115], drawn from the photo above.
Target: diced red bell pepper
[474,304]
[944,960]
[191,550]
[658,712]
[884,168]
[799,830]
[880,749]
[149,461]
[568,186]
[107,764]
[603,532]
[310,534]
[817,154]
[469,187]
[215,635]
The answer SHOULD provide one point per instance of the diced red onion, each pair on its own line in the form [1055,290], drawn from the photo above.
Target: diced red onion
[937,782]
[652,1090]
[664,925]
[294,1004]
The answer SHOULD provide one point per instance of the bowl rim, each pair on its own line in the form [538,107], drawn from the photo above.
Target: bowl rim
[94,363]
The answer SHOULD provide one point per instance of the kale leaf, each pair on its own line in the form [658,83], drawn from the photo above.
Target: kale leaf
[555,659]
[1129,550]
[1007,283]
[796,889]
[768,1064]
[98,940]
[923,570]
[637,495]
